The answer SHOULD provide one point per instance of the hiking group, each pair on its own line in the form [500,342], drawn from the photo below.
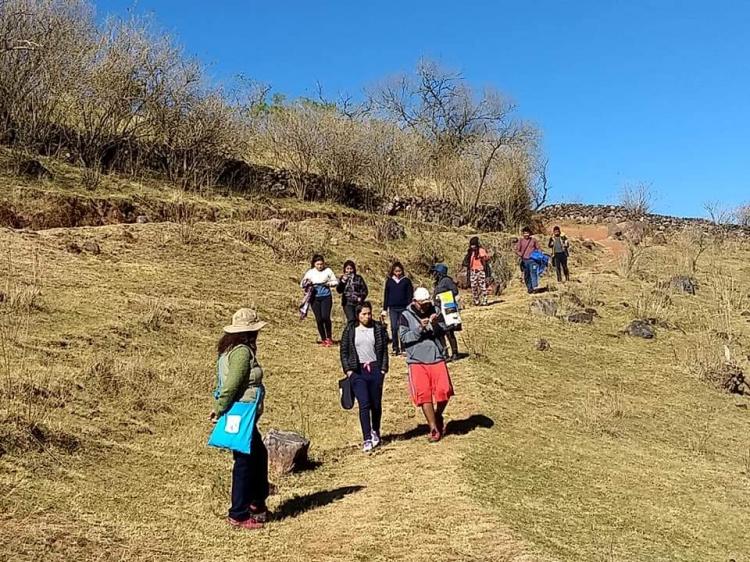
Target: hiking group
[423,328]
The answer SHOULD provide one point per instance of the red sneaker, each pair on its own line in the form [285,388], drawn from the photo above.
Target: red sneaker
[329,342]
[434,436]
[249,523]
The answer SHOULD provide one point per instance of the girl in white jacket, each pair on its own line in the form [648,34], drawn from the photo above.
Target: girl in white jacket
[322,279]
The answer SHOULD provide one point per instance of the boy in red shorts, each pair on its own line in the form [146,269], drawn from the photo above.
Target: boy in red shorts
[428,374]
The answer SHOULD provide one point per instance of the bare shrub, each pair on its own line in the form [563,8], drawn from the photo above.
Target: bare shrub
[718,213]
[637,197]
[630,258]
[742,215]
[157,314]
[91,177]
[692,243]
[652,303]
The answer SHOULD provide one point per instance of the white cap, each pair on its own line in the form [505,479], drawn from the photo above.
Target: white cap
[422,295]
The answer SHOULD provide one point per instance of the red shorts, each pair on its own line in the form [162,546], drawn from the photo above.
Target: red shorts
[428,382]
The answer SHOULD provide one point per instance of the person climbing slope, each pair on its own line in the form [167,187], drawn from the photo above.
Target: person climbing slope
[322,279]
[364,359]
[524,250]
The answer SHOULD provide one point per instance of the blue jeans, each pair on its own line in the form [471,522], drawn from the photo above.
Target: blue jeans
[530,274]
[368,388]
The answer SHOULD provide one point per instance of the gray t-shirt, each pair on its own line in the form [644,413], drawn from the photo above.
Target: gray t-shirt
[364,341]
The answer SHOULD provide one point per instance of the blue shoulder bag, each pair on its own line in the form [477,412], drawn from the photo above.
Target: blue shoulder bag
[234,429]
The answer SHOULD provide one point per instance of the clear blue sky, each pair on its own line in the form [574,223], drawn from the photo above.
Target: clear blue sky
[654,90]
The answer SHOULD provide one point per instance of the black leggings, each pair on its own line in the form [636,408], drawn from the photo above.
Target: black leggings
[368,388]
[321,307]
[450,335]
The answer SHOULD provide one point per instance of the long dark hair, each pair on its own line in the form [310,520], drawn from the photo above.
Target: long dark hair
[317,257]
[471,252]
[396,264]
[348,263]
[361,306]
[230,341]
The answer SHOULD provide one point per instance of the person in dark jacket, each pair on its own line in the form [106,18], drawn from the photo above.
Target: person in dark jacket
[364,359]
[559,244]
[397,295]
[443,284]
[353,290]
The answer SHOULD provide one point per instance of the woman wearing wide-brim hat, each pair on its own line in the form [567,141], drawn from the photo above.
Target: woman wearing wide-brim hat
[240,378]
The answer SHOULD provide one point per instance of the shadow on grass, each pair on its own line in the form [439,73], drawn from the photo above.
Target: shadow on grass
[308,466]
[300,504]
[453,427]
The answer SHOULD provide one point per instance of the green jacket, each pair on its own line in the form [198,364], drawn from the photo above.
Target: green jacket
[238,376]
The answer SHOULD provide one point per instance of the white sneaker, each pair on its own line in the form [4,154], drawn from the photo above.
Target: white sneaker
[375,438]
[367,447]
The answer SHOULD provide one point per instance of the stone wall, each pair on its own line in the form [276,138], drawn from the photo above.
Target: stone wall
[605,214]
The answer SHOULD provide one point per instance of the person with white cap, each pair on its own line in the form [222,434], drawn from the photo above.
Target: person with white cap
[429,381]
[240,378]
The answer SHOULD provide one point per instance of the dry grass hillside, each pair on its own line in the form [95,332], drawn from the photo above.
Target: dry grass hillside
[603,447]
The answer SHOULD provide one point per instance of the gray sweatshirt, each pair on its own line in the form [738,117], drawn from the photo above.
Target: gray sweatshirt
[422,345]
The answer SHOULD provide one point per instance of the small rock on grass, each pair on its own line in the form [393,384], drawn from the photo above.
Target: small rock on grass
[542,345]
[92,247]
[543,307]
[581,317]
[641,329]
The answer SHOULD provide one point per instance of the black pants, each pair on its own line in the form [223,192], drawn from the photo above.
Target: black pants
[368,388]
[249,479]
[450,335]
[394,315]
[561,265]
[321,307]
[350,311]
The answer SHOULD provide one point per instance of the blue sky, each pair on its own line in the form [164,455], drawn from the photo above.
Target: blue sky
[651,90]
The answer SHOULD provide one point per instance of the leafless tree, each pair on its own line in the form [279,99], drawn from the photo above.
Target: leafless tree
[637,197]
[717,212]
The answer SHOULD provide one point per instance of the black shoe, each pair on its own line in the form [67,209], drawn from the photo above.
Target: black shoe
[456,356]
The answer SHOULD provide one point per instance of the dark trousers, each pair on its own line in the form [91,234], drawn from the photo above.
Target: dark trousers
[394,315]
[321,307]
[368,388]
[450,335]
[561,265]
[350,311]
[249,479]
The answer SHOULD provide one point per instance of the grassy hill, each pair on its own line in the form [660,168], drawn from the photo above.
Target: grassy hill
[604,447]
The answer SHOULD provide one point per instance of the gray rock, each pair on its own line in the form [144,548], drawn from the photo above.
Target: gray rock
[73,248]
[543,307]
[580,317]
[141,219]
[91,247]
[286,450]
[684,284]
[641,329]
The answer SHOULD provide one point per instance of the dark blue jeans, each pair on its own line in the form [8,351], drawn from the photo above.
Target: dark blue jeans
[249,479]
[368,388]
[394,315]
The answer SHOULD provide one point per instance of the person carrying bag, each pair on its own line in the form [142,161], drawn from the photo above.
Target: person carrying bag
[238,403]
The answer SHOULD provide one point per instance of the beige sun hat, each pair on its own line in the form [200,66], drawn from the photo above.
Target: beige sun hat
[244,320]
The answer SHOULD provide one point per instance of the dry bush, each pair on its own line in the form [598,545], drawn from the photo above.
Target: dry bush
[428,250]
[730,298]
[652,303]
[638,197]
[157,315]
[91,177]
[692,243]
[630,259]
[475,343]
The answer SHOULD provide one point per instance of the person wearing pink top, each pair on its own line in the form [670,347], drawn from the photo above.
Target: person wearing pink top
[524,249]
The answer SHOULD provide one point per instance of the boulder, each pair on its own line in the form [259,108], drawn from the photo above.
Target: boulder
[286,450]
[543,307]
[581,317]
[542,345]
[684,284]
[641,329]
[91,247]
[73,248]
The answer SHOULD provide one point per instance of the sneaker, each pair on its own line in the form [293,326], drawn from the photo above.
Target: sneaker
[329,342]
[434,436]
[249,523]
[367,447]
[375,438]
